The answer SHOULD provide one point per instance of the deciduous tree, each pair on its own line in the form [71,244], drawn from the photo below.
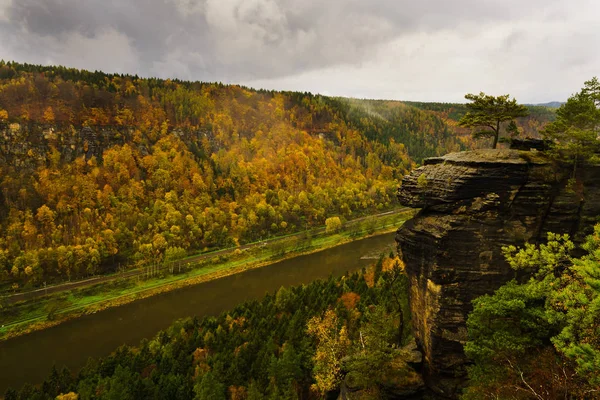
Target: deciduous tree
[333,224]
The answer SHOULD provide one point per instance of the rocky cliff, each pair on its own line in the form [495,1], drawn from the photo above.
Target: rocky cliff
[26,146]
[473,203]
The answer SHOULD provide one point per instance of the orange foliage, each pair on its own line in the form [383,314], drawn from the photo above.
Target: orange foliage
[369,277]
[199,355]
[237,393]
[239,348]
[239,322]
[349,300]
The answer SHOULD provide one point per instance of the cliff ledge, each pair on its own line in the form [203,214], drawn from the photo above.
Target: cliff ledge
[473,203]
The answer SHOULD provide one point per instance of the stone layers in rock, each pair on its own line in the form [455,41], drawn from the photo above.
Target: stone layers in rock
[473,203]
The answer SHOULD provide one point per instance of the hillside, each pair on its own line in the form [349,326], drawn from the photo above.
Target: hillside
[450,113]
[99,170]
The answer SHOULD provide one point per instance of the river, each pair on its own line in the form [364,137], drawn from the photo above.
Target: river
[29,358]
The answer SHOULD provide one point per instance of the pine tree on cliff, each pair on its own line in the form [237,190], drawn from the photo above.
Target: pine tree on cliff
[576,132]
[541,335]
[489,112]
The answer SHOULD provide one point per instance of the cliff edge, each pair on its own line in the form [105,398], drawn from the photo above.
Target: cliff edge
[473,203]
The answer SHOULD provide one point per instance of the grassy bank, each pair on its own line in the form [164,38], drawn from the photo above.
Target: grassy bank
[27,316]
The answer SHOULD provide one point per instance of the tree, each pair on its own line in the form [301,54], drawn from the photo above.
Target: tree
[366,365]
[333,224]
[540,337]
[489,112]
[576,129]
[209,388]
[332,346]
[48,115]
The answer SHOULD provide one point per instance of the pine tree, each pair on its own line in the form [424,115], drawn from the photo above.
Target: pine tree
[550,322]
[576,131]
[489,113]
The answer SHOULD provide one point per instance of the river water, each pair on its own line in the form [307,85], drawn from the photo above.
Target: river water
[29,358]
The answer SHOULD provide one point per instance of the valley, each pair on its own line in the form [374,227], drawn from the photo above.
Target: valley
[30,357]
[211,241]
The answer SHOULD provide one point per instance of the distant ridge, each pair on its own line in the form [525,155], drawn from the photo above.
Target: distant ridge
[551,104]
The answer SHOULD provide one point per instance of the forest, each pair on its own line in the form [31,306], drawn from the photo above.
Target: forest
[100,170]
[104,170]
[529,126]
[539,338]
[536,338]
[301,342]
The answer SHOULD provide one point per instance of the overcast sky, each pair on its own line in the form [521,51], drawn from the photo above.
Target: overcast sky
[429,50]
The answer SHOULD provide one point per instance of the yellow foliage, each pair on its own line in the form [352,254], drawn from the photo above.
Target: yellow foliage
[48,116]
[333,224]
[332,345]
[369,277]
[68,396]
[192,166]
[390,263]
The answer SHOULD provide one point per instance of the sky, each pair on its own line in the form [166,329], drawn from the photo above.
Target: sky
[421,50]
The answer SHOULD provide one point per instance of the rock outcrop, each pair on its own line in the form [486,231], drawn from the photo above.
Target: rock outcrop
[473,203]
[399,379]
[26,146]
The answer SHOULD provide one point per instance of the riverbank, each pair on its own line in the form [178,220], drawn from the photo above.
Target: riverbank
[29,358]
[37,314]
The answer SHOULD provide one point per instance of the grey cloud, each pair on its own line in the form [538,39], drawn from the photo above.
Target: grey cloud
[261,40]
[50,18]
[240,39]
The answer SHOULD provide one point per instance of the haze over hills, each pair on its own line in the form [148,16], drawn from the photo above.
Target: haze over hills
[550,104]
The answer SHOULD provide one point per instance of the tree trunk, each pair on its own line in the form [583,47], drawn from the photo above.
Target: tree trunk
[497,134]
[400,325]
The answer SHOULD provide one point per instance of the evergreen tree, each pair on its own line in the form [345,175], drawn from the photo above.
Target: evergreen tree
[523,333]
[576,130]
[209,388]
[488,113]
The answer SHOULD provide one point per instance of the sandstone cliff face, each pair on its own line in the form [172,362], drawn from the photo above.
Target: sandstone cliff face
[473,203]
[26,146]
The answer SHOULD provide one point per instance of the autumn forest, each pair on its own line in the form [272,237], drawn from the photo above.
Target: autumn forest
[108,172]
[100,170]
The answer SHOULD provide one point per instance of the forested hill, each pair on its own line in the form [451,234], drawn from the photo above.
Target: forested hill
[59,96]
[100,168]
[530,126]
